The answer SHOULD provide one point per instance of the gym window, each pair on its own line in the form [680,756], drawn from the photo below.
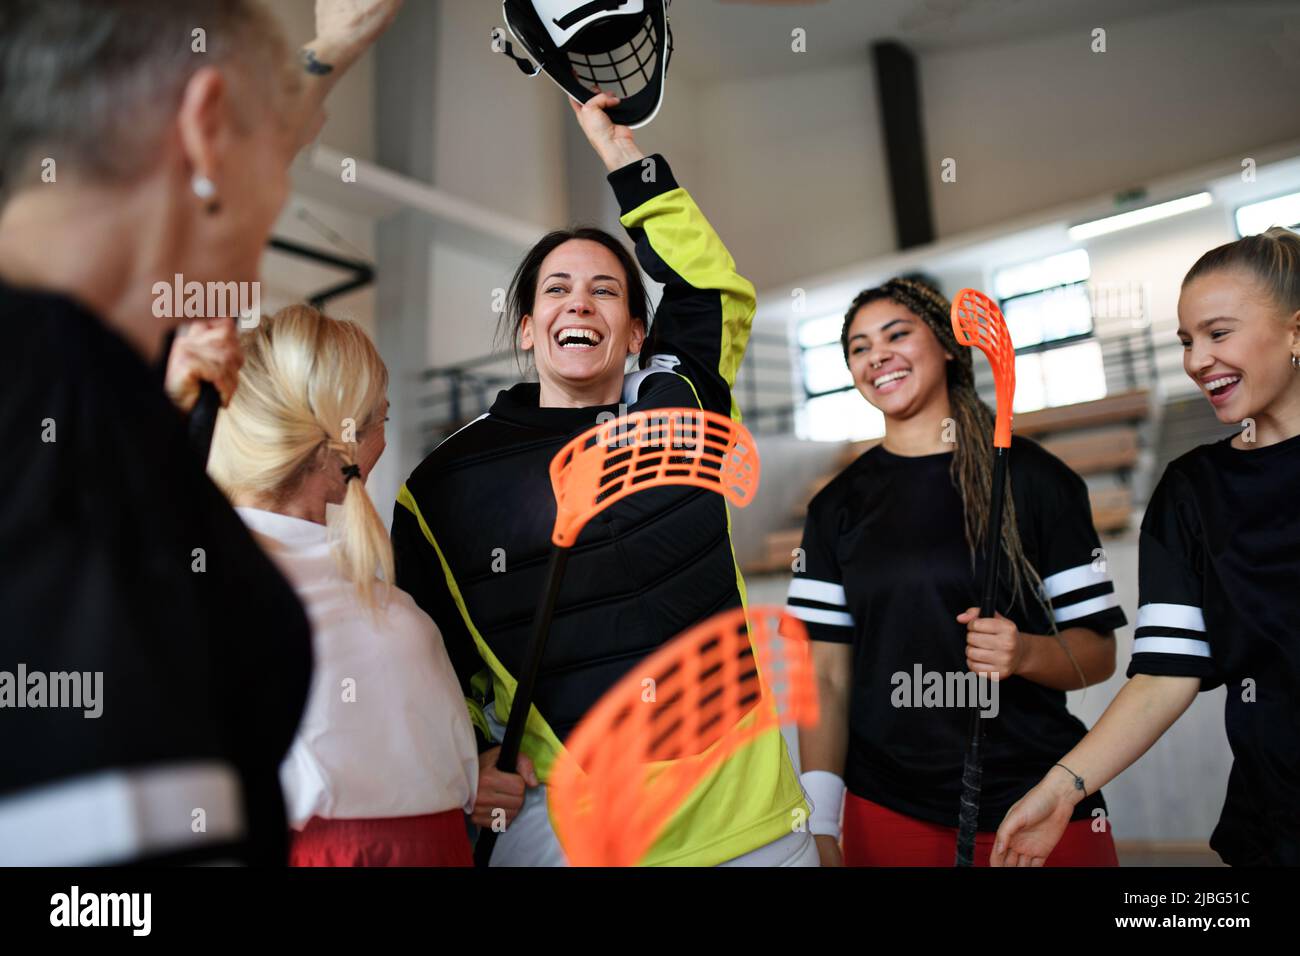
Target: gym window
[1048,310]
[832,409]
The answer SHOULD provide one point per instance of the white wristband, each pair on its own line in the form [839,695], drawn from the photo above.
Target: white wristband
[825,791]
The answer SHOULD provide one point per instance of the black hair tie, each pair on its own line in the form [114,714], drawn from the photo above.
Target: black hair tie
[350,472]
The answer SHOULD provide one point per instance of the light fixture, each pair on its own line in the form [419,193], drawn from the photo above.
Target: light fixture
[1254,218]
[1138,217]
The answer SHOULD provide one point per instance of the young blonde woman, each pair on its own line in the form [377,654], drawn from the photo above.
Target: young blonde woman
[383,767]
[1219,573]
[888,590]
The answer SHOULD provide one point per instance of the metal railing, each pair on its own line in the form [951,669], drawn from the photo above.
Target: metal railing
[455,394]
[452,395]
[769,380]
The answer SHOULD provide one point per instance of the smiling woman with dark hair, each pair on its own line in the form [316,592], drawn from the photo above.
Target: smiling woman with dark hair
[528,284]
[893,551]
[472,528]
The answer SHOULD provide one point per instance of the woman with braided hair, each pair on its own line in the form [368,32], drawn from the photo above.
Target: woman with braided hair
[888,584]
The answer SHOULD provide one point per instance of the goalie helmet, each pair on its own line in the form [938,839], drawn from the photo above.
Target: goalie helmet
[617,46]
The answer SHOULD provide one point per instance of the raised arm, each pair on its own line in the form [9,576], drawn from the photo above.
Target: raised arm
[702,324]
[345,29]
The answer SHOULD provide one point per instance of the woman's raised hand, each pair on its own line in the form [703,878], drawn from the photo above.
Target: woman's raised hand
[347,28]
[613,143]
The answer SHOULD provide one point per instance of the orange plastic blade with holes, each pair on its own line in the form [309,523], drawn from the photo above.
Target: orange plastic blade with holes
[674,719]
[666,446]
[977,321]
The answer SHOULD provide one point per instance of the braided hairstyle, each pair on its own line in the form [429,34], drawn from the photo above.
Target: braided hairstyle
[971,469]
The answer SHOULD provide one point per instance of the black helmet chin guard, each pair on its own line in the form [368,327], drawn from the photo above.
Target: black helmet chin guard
[621,46]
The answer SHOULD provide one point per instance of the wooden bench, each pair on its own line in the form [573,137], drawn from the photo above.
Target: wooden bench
[1130,406]
[777,558]
[1106,449]
[1112,508]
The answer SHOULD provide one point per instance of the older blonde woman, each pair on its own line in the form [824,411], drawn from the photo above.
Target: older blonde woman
[128,157]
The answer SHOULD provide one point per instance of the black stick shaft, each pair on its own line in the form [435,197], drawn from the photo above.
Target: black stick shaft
[203,416]
[989,602]
[203,420]
[972,771]
[508,759]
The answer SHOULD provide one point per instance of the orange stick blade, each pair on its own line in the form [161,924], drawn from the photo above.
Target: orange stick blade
[978,322]
[669,724]
[666,446]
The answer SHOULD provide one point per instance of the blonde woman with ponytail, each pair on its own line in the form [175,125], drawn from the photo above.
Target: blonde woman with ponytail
[384,765]
[1218,573]
[887,584]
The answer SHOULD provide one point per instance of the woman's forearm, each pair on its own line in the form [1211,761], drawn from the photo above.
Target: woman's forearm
[1141,712]
[345,30]
[826,745]
[619,155]
[1047,661]
[322,63]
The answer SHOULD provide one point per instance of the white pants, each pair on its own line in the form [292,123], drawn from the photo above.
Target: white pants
[530,841]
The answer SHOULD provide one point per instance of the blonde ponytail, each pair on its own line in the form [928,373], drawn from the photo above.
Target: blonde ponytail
[310,388]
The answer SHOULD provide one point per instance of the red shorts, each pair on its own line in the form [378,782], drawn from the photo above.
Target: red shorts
[876,836]
[435,839]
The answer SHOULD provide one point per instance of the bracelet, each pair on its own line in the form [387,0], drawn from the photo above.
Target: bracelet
[1078,781]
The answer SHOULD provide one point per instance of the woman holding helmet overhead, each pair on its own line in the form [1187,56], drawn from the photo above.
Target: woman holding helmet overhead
[472,526]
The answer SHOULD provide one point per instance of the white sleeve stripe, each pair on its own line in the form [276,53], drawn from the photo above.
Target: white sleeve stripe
[1183,616]
[1091,606]
[1084,576]
[814,615]
[826,592]
[115,816]
[1171,645]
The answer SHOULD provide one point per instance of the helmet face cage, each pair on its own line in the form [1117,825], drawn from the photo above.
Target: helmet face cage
[613,46]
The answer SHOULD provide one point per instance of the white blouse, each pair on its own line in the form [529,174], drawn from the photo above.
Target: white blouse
[386,732]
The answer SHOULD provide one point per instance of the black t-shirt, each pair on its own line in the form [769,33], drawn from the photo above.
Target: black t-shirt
[106,517]
[887,569]
[1219,583]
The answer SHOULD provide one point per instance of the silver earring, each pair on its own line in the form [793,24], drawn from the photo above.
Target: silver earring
[206,190]
[1295,361]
